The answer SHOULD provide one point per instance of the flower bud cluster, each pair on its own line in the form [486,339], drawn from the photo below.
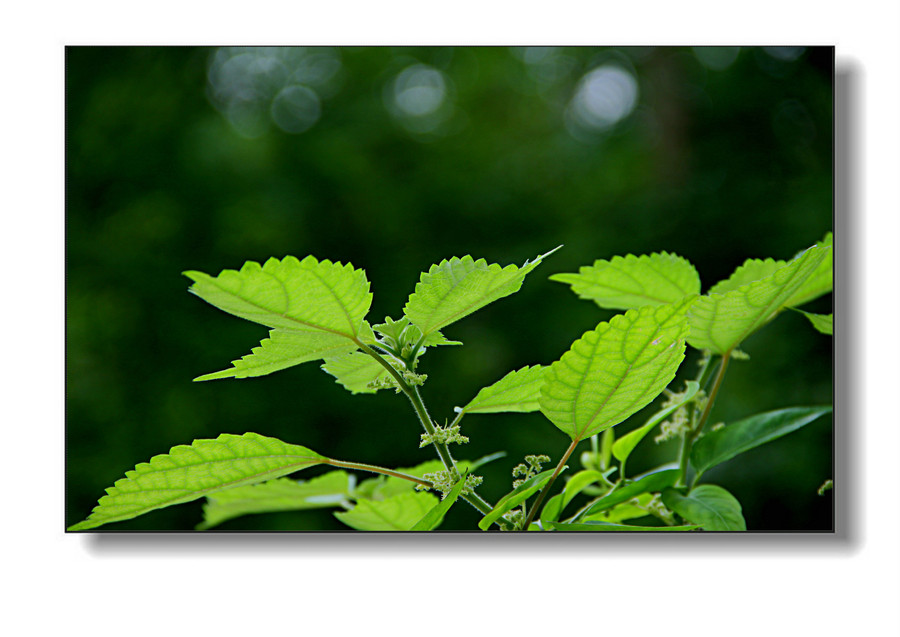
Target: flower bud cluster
[530,470]
[444,436]
[444,481]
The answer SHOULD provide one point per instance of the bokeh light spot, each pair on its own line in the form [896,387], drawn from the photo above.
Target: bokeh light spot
[603,97]
[296,109]
[716,58]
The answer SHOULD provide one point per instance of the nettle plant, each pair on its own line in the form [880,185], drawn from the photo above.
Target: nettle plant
[317,311]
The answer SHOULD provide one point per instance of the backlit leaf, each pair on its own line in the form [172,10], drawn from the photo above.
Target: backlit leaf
[189,472]
[720,322]
[615,370]
[558,503]
[291,294]
[820,282]
[708,505]
[456,288]
[398,513]
[355,371]
[751,270]
[283,494]
[723,444]
[630,282]
[285,348]
[518,391]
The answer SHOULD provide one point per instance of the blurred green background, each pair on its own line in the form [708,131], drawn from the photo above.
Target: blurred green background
[393,159]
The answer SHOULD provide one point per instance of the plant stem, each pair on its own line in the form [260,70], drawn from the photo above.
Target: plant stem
[374,469]
[546,489]
[689,437]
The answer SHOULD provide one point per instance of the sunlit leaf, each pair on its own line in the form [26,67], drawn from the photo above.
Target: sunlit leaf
[355,371]
[384,487]
[708,505]
[748,272]
[285,348]
[615,370]
[723,444]
[290,294]
[720,322]
[189,472]
[518,391]
[631,282]
[326,491]
[397,513]
[623,447]
[454,289]
[820,282]
[515,497]
[435,517]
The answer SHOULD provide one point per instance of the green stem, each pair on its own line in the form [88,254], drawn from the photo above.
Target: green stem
[688,439]
[375,469]
[546,489]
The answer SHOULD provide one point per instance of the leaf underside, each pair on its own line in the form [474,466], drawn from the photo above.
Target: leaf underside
[720,322]
[458,287]
[615,370]
[518,391]
[282,494]
[189,472]
[316,310]
[631,282]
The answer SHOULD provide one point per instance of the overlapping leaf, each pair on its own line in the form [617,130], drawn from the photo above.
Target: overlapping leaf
[397,513]
[708,505]
[435,517]
[283,349]
[720,322]
[615,370]
[192,471]
[355,371]
[631,282]
[515,497]
[518,391]
[611,526]
[317,310]
[646,484]
[282,494]
[457,287]
[820,282]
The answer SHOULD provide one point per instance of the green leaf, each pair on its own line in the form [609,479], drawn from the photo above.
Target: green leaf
[456,288]
[519,391]
[720,322]
[751,270]
[708,505]
[575,485]
[820,282]
[623,511]
[285,348]
[723,444]
[384,487]
[328,490]
[355,371]
[291,294]
[433,519]
[397,513]
[610,526]
[615,370]
[652,482]
[401,332]
[623,447]
[822,322]
[515,497]
[190,472]
[631,282]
